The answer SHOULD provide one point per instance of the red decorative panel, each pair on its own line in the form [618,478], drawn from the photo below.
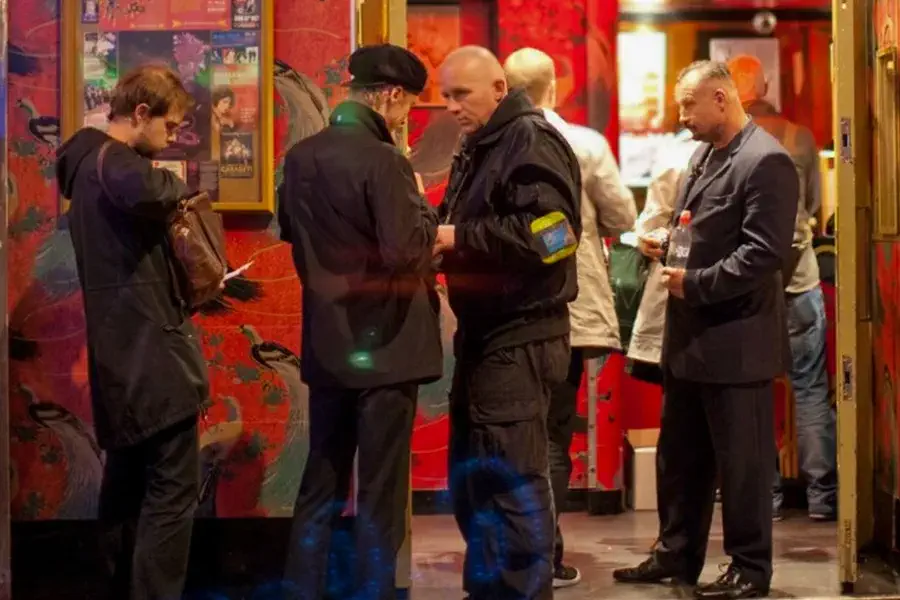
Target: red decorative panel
[251,340]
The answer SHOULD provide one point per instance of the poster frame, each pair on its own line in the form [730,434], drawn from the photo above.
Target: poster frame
[71,117]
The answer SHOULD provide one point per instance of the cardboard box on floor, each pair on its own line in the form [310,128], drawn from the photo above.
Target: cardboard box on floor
[640,468]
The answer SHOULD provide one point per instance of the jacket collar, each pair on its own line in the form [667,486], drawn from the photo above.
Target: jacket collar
[356,114]
[516,104]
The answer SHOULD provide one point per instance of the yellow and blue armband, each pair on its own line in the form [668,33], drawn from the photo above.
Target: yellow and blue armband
[555,237]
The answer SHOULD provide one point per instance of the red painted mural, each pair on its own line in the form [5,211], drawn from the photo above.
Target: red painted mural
[886,264]
[251,337]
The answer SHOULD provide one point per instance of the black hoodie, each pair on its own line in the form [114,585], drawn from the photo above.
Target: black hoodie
[144,363]
[514,170]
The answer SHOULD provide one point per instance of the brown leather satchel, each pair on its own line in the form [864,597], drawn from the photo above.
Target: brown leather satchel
[196,245]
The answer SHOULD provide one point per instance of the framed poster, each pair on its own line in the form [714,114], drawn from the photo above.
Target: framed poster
[220,48]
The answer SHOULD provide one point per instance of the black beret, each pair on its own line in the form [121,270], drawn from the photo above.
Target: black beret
[386,64]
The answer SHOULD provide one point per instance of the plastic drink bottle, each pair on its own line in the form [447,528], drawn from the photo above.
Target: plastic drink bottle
[680,243]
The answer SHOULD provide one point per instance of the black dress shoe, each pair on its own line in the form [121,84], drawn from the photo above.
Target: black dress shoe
[731,585]
[654,570]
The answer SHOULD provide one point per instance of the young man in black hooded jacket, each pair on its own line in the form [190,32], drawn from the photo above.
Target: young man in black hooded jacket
[510,227]
[147,373]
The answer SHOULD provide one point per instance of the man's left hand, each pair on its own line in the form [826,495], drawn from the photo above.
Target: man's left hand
[446,239]
[673,279]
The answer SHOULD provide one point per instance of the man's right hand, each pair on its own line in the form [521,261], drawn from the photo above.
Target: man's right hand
[651,243]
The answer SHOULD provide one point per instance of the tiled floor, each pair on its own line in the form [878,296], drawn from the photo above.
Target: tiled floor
[805,559]
[243,560]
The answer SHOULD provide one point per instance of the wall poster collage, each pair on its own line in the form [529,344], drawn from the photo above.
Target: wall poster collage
[216,47]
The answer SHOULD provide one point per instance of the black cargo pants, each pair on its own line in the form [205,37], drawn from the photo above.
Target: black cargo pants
[499,469]
[147,503]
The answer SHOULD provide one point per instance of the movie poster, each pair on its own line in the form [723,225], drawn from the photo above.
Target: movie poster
[203,176]
[245,14]
[236,160]
[134,15]
[200,14]
[101,72]
[178,167]
[235,81]
[90,12]
[187,52]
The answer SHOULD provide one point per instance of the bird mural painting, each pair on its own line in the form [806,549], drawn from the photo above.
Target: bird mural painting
[282,478]
[44,129]
[83,455]
[216,442]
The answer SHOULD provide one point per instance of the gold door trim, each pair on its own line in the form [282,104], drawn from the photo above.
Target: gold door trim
[379,22]
[853,139]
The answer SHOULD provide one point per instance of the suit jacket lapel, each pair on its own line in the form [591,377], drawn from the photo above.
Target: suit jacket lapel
[695,190]
[688,182]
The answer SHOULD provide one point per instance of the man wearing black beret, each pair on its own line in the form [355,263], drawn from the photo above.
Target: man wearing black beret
[362,235]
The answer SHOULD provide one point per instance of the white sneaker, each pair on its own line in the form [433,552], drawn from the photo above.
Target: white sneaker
[565,576]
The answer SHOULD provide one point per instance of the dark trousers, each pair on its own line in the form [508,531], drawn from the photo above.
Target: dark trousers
[710,429]
[378,422]
[499,467]
[561,419]
[147,503]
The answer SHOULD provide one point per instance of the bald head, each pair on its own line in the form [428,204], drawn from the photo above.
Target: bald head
[474,57]
[473,84]
[749,78]
[533,70]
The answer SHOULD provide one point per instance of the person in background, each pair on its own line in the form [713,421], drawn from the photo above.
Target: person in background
[807,321]
[724,345]
[645,349]
[607,210]
[147,374]
[510,226]
[362,235]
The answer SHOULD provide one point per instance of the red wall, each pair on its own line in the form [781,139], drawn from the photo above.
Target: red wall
[251,340]
[257,416]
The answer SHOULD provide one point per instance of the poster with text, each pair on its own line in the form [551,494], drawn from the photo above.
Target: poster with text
[187,52]
[235,81]
[200,14]
[236,160]
[178,167]
[245,14]
[90,12]
[745,57]
[100,74]
[134,15]
[203,176]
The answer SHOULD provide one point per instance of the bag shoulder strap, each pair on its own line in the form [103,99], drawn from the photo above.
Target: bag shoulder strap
[100,156]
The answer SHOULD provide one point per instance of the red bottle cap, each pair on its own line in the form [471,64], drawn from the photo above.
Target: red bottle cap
[685,218]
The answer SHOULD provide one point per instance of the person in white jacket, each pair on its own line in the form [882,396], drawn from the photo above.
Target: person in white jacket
[646,337]
[607,210]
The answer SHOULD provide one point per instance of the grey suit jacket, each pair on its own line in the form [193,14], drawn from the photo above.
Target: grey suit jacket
[730,327]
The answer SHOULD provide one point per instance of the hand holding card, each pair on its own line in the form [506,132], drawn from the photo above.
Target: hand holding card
[238,271]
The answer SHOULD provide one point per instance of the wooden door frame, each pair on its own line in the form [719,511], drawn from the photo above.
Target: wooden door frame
[379,22]
[853,143]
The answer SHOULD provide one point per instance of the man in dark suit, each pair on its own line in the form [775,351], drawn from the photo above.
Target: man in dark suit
[725,343]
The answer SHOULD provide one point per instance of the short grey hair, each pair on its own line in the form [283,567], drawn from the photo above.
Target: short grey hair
[706,70]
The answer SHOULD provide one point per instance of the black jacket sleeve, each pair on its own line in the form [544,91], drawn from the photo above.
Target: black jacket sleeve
[135,186]
[546,184]
[770,210]
[405,225]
